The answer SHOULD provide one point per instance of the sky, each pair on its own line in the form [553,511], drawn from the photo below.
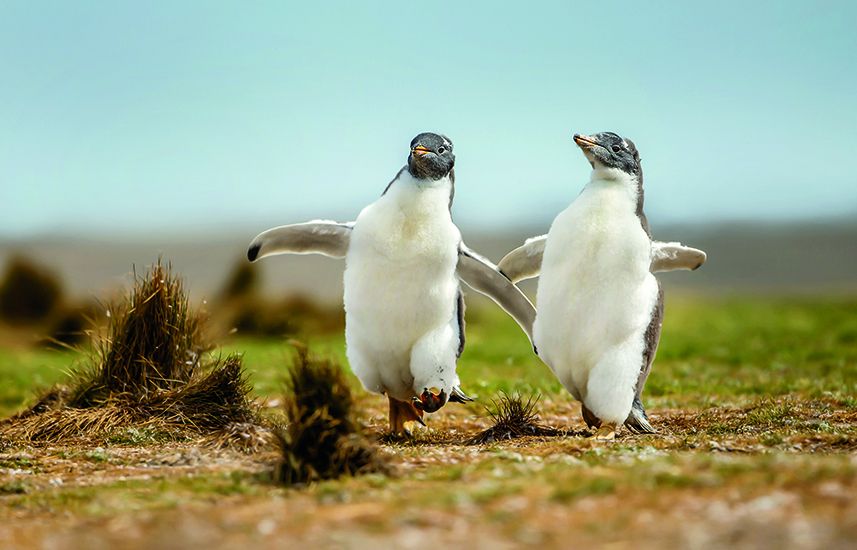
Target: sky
[122,118]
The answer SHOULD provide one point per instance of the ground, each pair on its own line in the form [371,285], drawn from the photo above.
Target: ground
[755,400]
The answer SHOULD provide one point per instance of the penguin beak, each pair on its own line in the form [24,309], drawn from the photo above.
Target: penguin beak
[420,150]
[585,142]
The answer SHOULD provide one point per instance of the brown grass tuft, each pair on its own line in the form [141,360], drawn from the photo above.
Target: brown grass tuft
[154,342]
[322,439]
[242,283]
[292,316]
[69,326]
[28,292]
[151,371]
[512,418]
[242,309]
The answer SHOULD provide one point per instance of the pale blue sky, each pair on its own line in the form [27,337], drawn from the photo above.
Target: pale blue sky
[123,117]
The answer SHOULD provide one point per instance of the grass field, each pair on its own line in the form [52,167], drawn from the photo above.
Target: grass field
[755,400]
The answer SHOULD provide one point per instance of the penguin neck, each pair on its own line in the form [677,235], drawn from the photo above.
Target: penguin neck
[409,192]
[613,179]
[408,189]
[604,179]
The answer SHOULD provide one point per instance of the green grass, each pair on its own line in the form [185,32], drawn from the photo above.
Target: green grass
[757,397]
[713,351]
[741,347]
[23,371]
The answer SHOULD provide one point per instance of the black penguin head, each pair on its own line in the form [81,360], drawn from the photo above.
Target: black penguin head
[431,156]
[609,150]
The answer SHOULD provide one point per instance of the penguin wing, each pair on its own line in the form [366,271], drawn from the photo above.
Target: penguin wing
[325,237]
[525,262]
[675,256]
[484,277]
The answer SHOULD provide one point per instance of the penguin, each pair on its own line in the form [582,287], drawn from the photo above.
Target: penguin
[404,261]
[600,308]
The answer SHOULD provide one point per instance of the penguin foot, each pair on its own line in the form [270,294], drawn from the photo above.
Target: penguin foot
[458,396]
[607,432]
[404,417]
[638,421]
[429,402]
[589,417]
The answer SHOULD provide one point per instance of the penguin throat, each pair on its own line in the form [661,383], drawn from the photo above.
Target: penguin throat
[608,173]
[427,183]
[604,177]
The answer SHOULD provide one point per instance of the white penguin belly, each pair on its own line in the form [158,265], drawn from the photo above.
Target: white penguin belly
[400,283]
[595,298]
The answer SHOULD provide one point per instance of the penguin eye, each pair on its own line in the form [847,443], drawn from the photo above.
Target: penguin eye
[441,150]
[616,148]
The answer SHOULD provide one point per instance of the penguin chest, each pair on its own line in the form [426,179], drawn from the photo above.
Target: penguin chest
[400,279]
[595,291]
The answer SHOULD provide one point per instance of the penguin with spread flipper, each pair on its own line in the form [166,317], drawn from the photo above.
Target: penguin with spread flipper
[404,308]
[600,308]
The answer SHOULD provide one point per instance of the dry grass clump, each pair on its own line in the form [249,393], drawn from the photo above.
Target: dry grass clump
[242,308]
[69,326]
[322,439]
[513,417]
[291,316]
[154,342]
[242,283]
[29,293]
[32,299]
[151,370]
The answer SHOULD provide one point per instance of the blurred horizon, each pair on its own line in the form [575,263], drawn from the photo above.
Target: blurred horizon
[759,258]
[243,228]
[124,121]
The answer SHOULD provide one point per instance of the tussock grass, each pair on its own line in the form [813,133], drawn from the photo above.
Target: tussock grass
[244,310]
[29,293]
[292,316]
[242,282]
[32,300]
[513,417]
[152,370]
[70,326]
[323,439]
[154,342]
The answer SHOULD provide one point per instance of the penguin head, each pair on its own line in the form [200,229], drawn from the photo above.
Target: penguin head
[609,150]
[431,156]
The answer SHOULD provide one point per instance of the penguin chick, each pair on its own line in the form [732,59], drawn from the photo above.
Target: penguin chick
[404,308]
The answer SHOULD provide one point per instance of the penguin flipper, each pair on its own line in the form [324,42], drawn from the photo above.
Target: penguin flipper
[675,256]
[325,237]
[483,276]
[525,262]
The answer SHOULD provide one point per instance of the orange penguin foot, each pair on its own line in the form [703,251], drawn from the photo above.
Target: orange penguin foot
[404,417]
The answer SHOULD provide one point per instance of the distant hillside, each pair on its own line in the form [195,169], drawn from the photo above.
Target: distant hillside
[743,257]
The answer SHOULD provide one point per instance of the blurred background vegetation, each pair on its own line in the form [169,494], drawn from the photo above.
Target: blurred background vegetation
[732,337]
